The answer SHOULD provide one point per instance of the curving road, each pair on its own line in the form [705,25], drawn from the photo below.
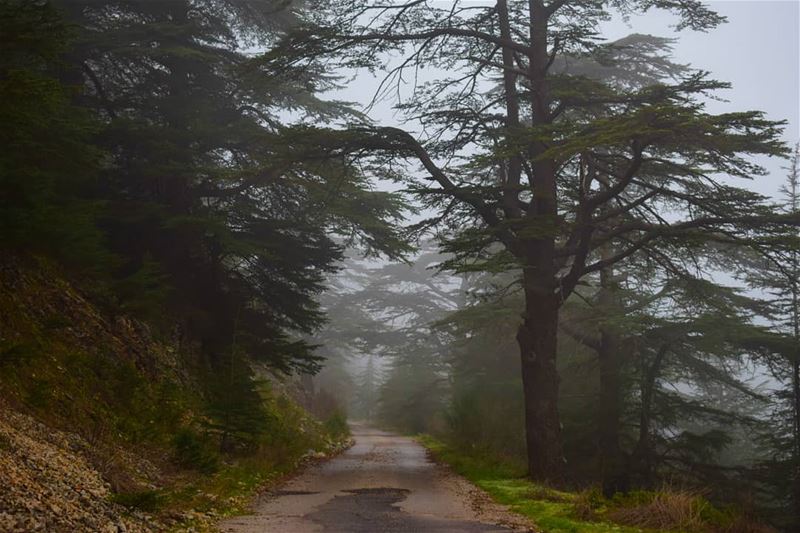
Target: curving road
[384,483]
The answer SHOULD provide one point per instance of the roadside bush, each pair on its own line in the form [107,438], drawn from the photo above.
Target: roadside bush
[144,500]
[586,504]
[195,451]
[336,425]
[664,509]
[679,510]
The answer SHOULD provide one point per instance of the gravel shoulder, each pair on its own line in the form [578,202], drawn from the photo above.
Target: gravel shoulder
[383,483]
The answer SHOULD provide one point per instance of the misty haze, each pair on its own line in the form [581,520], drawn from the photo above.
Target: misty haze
[361,266]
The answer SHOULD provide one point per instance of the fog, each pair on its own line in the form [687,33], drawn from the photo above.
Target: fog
[757,51]
[393,251]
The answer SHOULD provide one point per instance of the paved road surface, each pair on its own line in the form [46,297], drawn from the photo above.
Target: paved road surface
[384,483]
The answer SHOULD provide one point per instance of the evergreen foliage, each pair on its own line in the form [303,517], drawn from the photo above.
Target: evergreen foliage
[602,300]
[555,166]
[48,165]
[143,141]
[206,185]
[147,150]
[776,271]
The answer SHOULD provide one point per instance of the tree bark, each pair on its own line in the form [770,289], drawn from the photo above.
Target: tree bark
[643,453]
[613,464]
[537,338]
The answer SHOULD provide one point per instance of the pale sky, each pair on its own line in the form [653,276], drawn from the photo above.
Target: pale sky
[758,51]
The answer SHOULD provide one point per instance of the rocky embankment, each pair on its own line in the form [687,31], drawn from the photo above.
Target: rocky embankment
[58,460]
[91,405]
[47,483]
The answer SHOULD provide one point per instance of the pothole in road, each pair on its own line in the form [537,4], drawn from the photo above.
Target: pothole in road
[371,510]
[399,493]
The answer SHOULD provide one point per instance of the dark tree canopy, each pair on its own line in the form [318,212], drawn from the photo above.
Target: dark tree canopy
[212,207]
[592,285]
[556,164]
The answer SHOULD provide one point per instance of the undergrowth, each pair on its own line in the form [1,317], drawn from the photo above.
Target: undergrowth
[111,405]
[207,444]
[557,511]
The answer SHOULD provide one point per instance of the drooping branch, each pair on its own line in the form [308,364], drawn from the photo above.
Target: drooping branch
[707,224]
[433,33]
[399,140]
[580,336]
[593,201]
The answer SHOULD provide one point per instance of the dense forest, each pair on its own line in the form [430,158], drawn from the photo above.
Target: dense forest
[555,262]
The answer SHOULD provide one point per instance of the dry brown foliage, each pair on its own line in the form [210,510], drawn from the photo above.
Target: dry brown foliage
[668,509]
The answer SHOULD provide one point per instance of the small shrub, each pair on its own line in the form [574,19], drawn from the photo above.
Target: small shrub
[39,394]
[588,504]
[16,353]
[336,425]
[665,509]
[145,500]
[194,451]
[56,321]
[584,507]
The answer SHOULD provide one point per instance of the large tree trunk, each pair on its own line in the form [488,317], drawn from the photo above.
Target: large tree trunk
[537,335]
[643,453]
[613,464]
[537,341]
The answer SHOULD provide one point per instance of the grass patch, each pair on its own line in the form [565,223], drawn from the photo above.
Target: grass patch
[554,511]
[201,498]
[144,500]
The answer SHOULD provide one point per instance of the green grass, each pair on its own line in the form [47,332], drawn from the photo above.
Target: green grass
[551,510]
[670,509]
[144,500]
[203,499]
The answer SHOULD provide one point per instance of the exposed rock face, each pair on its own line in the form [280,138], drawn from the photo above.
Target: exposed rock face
[48,484]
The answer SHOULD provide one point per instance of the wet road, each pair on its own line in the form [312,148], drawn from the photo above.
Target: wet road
[384,483]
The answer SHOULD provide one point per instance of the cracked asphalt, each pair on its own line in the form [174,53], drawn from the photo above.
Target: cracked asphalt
[383,483]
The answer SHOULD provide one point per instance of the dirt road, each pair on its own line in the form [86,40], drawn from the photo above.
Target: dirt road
[384,483]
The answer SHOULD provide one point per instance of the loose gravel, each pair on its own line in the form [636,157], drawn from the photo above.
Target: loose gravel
[47,484]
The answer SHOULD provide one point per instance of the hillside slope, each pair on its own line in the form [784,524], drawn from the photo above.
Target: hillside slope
[107,426]
[50,485]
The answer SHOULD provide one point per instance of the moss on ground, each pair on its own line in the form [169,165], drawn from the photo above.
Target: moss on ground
[551,510]
[556,511]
